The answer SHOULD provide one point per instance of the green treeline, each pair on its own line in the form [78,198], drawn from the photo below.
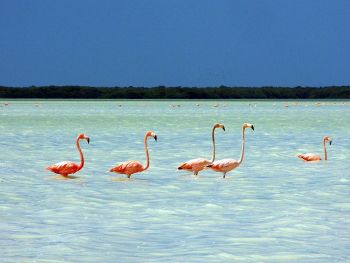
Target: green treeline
[162,92]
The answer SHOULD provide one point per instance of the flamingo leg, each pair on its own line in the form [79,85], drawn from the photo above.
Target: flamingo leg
[195,173]
[224,175]
[129,175]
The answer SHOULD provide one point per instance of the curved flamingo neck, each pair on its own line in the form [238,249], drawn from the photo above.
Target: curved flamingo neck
[147,155]
[81,155]
[324,150]
[213,139]
[242,151]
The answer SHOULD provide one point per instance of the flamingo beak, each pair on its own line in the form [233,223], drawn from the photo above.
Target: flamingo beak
[330,142]
[223,127]
[88,140]
[155,137]
[253,127]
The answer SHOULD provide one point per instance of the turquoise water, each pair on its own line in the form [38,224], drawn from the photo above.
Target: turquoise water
[273,208]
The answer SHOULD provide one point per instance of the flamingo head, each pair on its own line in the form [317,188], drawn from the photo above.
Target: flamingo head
[219,125]
[82,136]
[248,125]
[327,139]
[151,133]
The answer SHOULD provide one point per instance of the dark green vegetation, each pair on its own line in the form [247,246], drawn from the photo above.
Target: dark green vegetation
[161,92]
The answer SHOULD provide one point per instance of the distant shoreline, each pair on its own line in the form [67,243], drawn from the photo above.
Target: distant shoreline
[169,93]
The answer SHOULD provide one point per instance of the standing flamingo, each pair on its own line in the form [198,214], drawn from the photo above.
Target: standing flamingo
[226,165]
[131,167]
[311,157]
[66,168]
[197,165]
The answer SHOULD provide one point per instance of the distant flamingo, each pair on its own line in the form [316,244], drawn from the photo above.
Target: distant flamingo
[67,168]
[311,157]
[131,167]
[226,165]
[197,165]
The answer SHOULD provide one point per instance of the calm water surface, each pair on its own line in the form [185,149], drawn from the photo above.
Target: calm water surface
[273,208]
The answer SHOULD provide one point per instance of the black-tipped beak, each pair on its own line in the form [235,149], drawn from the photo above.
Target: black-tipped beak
[253,127]
[155,137]
[88,140]
[223,127]
[330,142]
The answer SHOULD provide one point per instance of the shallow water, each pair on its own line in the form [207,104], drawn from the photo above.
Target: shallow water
[273,208]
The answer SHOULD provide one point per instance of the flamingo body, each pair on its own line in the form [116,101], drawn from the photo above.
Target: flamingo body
[195,165]
[224,165]
[310,157]
[131,167]
[128,168]
[64,168]
[198,164]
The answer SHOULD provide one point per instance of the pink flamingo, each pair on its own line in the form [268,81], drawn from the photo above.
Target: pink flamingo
[226,165]
[197,165]
[131,167]
[311,157]
[66,168]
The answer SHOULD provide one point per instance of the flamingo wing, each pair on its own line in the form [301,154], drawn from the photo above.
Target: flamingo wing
[309,157]
[64,168]
[128,167]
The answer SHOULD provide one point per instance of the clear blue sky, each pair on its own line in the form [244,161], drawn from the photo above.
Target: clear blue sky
[175,42]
